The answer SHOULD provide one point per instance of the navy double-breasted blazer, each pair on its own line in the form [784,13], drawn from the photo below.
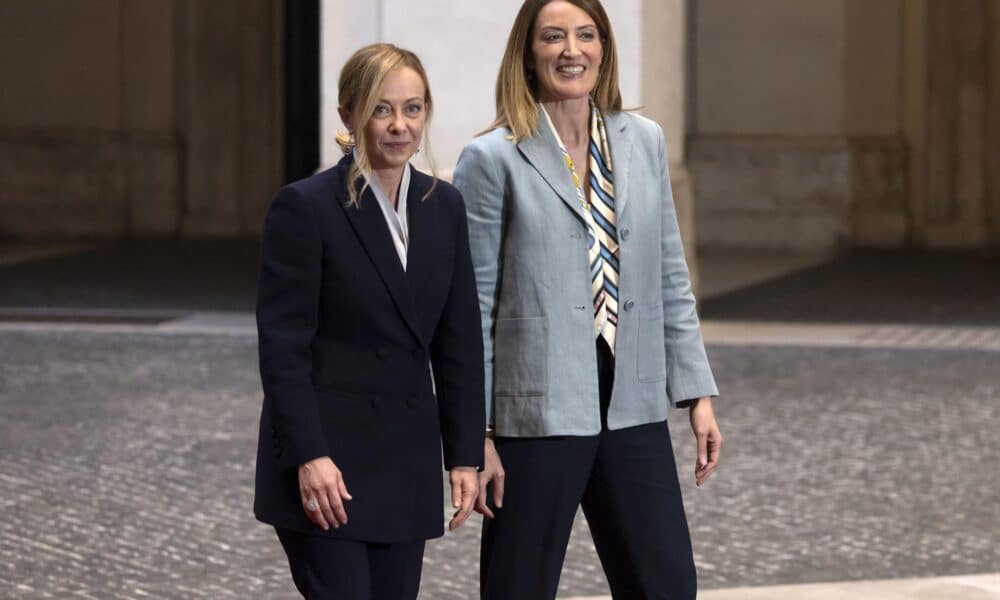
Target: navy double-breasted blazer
[347,343]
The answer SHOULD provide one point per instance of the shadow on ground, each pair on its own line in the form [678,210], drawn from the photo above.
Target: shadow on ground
[875,287]
[176,275]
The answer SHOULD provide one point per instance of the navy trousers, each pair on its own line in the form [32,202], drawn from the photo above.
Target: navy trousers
[331,569]
[625,480]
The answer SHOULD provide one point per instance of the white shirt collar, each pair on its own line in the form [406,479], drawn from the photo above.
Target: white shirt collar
[395,217]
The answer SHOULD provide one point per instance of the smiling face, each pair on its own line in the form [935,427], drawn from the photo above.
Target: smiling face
[566,51]
[396,124]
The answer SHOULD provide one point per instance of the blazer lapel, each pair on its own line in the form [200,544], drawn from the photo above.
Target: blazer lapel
[542,151]
[620,141]
[369,225]
[418,262]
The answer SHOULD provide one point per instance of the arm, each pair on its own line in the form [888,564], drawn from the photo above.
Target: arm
[457,359]
[689,375]
[287,315]
[483,190]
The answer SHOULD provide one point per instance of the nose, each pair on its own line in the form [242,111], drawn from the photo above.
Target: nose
[571,48]
[396,123]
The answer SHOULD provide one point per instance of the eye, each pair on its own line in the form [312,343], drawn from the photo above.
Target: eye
[552,36]
[381,110]
[588,36]
[414,109]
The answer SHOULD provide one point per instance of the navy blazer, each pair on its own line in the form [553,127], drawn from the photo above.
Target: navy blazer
[345,338]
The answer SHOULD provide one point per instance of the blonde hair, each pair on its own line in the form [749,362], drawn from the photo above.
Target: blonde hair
[361,81]
[517,92]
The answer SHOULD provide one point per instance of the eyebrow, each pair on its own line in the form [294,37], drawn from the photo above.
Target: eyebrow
[413,99]
[557,28]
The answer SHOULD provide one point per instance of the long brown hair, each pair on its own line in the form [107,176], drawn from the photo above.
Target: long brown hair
[517,93]
[360,84]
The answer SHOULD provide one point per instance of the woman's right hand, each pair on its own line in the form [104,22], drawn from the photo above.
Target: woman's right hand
[323,492]
[492,472]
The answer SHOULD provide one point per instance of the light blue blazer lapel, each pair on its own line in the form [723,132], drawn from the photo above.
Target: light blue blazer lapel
[542,152]
[620,141]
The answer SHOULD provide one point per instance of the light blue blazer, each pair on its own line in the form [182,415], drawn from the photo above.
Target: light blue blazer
[529,250]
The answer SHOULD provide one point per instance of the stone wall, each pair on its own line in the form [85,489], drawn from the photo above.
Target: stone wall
[796,136]
[839,123]
[124,118]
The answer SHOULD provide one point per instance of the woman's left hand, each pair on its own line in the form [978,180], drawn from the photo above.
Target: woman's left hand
[706,432]
[464,489]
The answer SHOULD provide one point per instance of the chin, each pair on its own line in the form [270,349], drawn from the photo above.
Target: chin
[391,161]
[574,91]
[575,94]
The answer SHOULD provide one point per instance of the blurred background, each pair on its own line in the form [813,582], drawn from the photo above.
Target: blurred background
[836,165]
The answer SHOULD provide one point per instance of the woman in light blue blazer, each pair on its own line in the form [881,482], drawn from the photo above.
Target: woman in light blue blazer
[588,319]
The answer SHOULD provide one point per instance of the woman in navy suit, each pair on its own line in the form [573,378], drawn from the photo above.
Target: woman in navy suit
[366,286]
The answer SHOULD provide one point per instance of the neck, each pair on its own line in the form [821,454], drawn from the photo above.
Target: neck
[389,180]
[571,119]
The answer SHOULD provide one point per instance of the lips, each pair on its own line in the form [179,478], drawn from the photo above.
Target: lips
[571,69]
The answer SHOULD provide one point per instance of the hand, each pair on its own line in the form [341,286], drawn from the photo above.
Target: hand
[463,494]
[320,481]
[706,432]
[492,472]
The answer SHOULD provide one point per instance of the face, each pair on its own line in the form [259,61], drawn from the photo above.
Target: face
[396,126]
[566,52]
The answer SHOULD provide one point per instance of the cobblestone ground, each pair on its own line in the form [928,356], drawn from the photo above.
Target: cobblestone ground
[126,469]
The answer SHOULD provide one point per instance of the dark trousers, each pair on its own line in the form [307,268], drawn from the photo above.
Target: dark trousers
[331,569]
[626,481]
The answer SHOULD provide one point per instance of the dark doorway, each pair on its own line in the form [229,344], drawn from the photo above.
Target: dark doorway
[301,88]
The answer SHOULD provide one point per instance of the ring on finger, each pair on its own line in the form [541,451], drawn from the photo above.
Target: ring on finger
[312,505]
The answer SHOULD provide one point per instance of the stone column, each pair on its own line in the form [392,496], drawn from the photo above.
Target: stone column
[664,93]
[993,152]
[228,113]
[952,120]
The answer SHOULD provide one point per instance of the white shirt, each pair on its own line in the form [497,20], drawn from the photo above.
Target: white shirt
[395,217]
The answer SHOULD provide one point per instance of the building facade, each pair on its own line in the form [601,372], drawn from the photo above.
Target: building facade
[791,124]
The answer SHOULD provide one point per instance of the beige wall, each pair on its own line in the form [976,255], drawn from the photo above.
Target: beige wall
[121,117]
[768,67]
[796,127]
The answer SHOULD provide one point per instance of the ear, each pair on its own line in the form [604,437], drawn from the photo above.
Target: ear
[345,116]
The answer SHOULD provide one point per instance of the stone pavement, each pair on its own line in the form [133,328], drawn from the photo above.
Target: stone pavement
[126,469]
[966,587]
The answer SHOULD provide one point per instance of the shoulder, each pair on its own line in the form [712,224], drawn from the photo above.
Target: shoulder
[491,144]
[646,131]
[486,159]
[315,186]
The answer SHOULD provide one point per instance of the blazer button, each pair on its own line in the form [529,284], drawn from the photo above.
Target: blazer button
[411,401]
[381,352]
[625,233]
[629,305]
